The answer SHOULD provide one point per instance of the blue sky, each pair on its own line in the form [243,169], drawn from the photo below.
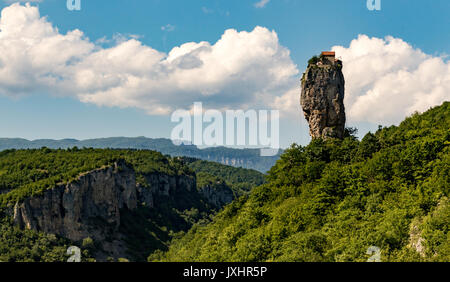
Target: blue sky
[303,27]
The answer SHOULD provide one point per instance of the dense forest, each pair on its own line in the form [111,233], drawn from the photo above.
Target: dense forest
[25,173]
[333,200]
[327,201]
[29,172]
[240,180]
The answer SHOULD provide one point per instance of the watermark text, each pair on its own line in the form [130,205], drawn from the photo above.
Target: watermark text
[374,5]
[73,5]
[249,128]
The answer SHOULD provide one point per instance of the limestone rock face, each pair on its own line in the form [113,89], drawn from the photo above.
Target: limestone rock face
[322,99]
[217,194]
[163,185]
[91,206]
[68,210]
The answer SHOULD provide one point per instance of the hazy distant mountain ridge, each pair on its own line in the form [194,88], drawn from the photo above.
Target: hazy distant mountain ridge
[246,158]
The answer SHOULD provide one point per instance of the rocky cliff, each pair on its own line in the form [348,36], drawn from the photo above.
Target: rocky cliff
[217,194]
[322,98]
[91,206]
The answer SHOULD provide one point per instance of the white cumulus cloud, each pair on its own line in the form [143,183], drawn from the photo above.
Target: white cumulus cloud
[22,1]
[388,79]
[241,70]
[261,3]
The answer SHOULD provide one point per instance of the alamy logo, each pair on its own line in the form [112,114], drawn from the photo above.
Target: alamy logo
[374,5]
[74,254]
[221,129]
[74,5]
[375,253]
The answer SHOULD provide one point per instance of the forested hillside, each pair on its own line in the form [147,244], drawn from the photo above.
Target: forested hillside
[240,180]
[332,200]
[30,173]
[328,201]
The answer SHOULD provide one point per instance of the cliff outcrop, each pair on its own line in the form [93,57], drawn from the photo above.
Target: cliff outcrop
[322,97]
[91,206]
[217,194]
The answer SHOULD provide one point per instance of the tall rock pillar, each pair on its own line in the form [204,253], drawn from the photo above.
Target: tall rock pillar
[322,96]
